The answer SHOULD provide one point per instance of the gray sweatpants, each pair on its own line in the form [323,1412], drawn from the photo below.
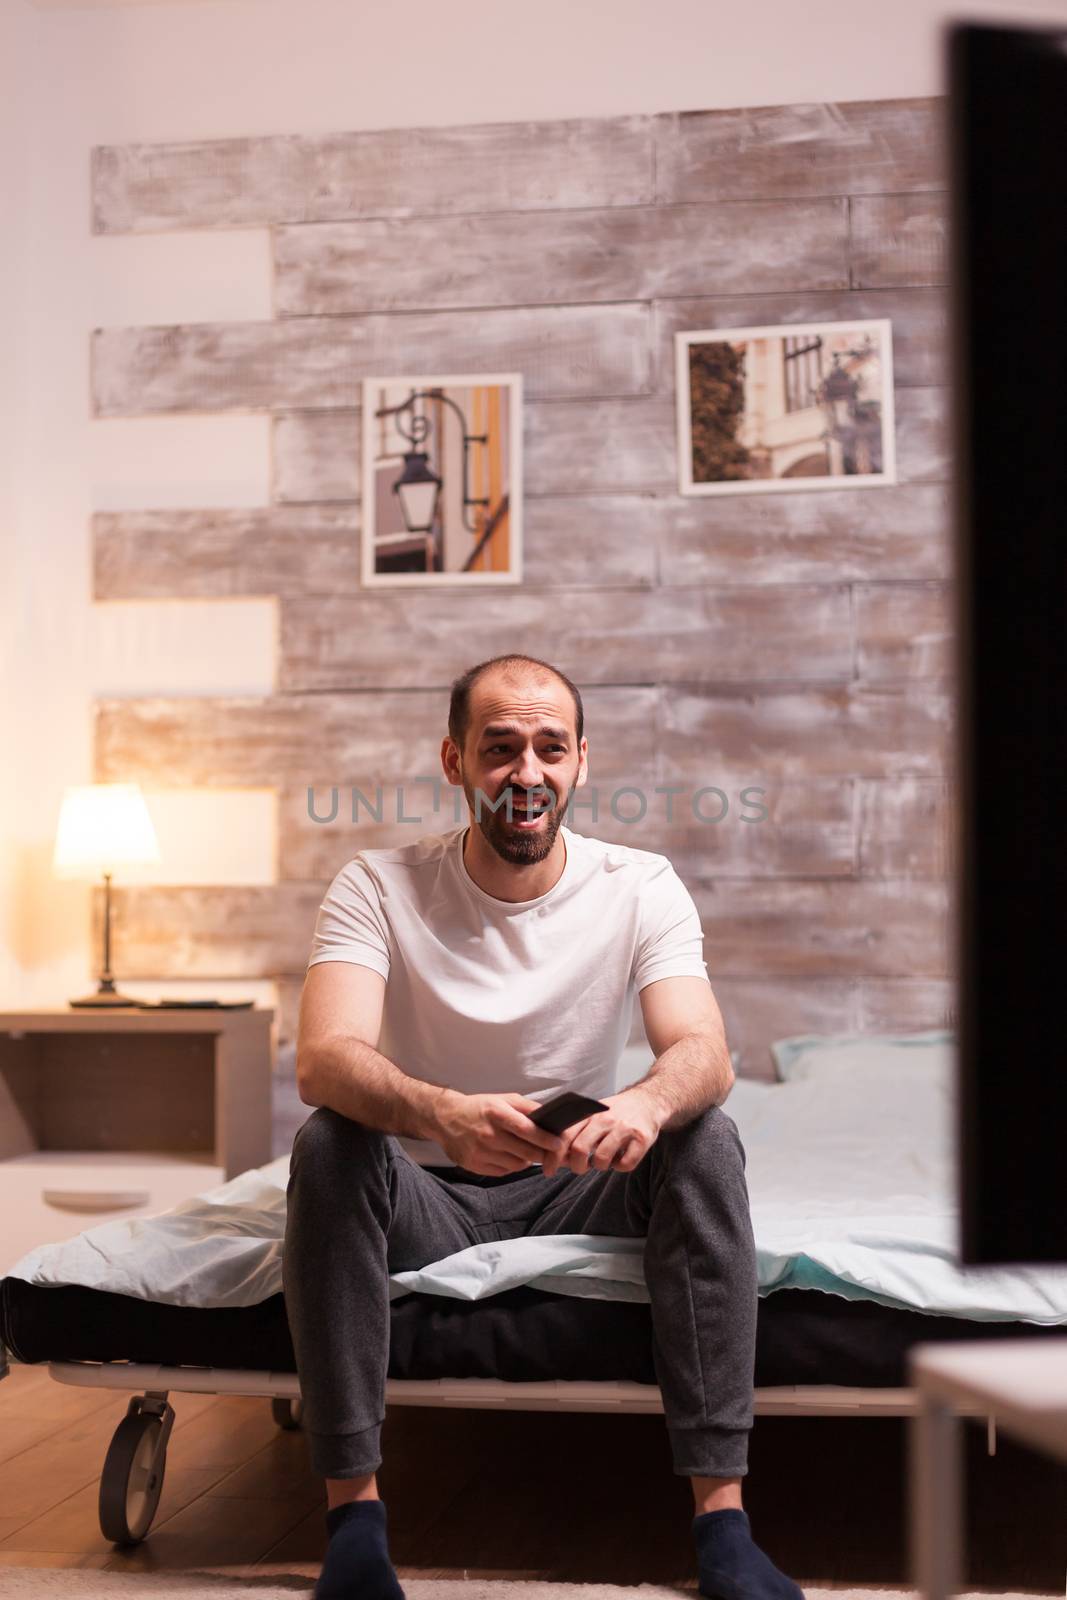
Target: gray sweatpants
[360,1208]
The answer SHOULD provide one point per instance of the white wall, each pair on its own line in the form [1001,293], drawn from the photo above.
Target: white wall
[92,72]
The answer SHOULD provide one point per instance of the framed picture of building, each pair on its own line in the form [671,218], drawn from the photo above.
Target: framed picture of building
[797,406]
[442,480]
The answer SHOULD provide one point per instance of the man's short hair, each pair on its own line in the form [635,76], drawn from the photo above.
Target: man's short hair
[459,709]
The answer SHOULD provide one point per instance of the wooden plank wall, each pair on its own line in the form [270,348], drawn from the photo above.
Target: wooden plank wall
[799,643]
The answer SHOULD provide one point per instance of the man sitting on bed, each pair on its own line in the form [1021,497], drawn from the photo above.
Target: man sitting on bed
[456,983]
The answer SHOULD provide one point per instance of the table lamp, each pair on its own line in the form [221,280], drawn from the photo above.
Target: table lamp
[103,826]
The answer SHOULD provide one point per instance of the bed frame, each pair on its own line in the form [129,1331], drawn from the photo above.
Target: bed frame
[131,1480]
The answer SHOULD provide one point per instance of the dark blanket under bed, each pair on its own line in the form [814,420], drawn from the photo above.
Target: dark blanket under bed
[522,1335]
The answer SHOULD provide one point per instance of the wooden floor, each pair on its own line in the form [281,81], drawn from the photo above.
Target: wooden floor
[571,1497]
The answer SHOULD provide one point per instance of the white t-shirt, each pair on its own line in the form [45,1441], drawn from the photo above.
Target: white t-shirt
[497,996]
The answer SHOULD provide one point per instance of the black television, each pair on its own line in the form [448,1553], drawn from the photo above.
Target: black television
[1007,148]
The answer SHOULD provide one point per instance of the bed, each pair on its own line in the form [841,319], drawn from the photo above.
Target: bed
[849,1166]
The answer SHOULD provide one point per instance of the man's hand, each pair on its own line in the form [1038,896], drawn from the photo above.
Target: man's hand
[492,1133]
[617,1138]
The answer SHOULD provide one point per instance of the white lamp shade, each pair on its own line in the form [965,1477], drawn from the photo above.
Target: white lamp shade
[418,503]
[103,826]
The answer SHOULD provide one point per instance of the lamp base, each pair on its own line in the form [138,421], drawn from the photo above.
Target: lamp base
[106,995]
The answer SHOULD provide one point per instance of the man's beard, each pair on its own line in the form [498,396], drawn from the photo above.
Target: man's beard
[519,846]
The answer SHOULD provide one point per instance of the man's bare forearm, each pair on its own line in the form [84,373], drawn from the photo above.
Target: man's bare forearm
[351,1077]
[693,1074]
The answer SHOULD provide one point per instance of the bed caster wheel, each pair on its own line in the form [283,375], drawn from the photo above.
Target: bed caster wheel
[132,1480]
[288,1414]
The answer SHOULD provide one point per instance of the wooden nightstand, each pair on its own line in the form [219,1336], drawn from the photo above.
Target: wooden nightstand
[117,1113]
[1023,1383]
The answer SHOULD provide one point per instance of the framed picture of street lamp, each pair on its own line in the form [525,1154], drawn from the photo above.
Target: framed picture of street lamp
[442,480]
[774,409]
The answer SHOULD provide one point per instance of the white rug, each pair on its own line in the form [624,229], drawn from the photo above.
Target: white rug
[78,1583]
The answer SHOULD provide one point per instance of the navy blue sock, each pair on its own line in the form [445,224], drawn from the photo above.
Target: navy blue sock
[357,1565]
[731,1567]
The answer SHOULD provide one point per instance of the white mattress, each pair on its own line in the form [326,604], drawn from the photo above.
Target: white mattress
[851,1183]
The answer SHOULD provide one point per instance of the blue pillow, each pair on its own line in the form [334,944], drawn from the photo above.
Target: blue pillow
[807,1053]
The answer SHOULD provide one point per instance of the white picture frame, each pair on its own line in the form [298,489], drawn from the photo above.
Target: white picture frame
[488,471]
[772,442]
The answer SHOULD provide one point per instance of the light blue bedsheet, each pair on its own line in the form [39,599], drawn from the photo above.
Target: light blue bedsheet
[850,1177]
